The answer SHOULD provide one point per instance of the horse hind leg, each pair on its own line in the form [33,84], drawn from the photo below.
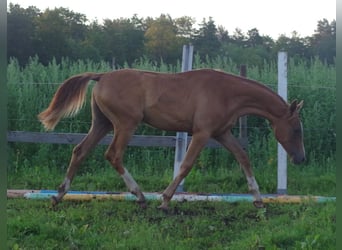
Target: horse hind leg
[78,154]
[100,127]
[114,155]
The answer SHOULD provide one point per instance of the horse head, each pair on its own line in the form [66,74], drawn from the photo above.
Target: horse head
[288,131]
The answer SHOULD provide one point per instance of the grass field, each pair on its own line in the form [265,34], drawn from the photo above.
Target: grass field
[33,224]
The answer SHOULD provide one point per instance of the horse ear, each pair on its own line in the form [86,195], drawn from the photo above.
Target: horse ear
[300,105]
[295,106]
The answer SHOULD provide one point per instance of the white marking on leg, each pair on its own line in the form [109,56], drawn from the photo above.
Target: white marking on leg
[254,188]
[66,184]
[252,184]
[130,182]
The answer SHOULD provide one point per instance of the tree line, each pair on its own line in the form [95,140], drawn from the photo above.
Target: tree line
[62,33]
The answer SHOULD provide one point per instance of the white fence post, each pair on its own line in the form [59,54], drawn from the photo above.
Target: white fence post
[282,91]
[182,137]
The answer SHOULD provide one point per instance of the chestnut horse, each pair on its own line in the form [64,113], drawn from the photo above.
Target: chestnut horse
[205,103]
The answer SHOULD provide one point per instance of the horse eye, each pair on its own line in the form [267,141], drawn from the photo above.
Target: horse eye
[297,131]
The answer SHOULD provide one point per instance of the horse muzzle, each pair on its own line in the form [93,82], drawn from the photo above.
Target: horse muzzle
[298,158]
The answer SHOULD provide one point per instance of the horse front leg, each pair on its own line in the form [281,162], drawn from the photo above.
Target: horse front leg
[196,145]
[234,146]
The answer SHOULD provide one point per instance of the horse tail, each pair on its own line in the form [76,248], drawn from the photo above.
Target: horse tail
[68,99]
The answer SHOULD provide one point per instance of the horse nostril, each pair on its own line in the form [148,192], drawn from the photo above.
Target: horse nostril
[298,160]
[302,160]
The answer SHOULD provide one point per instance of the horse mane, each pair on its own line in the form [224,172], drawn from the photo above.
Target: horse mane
[251,81]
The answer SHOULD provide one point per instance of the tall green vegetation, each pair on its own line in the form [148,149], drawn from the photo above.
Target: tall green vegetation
[31,88]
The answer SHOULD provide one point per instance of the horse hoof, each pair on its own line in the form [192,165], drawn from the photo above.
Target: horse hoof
[54,201]
[142,204]
[258,204]
[163,208]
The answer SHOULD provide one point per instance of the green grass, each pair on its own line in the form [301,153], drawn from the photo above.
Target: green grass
[32,224]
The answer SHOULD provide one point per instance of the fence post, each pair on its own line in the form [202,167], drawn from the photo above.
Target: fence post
[282,91]
[182,137]
[243,119]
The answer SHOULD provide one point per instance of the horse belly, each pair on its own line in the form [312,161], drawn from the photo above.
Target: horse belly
[170,121]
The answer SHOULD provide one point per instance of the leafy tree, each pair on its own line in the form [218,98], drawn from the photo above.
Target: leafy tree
[323,41]
[252,49]
[161,39]
[296,46]
[123,40]
[223,35]
[21,26]
[239,38]
[59,33]
[206,41]
[254,38]
[185,26]
[93,46]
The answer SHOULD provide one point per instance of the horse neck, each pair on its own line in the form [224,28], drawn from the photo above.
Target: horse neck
[262,101]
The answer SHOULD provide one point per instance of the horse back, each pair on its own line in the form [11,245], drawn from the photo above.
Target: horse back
[166,101]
